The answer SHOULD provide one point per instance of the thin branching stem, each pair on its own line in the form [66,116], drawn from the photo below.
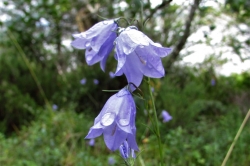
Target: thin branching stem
[236,138]
[26,61]
[155,122]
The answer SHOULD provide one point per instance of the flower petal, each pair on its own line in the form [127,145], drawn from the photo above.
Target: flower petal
[107,38]
[105,49]
[123,92]
[132,141]
[121,57]
[138,37]
[91,56]
[113,105]
[132,136]
[119,73]
[151,65]
[129,39]
[116,120]
[158,50]
[79,43]
[124,122]
[96,29]
[95,131]
[98,42]
[132,69]
[114,140]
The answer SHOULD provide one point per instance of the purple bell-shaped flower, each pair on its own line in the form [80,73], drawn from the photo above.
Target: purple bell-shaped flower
[138,55]
[116,121]
[165,115]
[126,151]
[98,42]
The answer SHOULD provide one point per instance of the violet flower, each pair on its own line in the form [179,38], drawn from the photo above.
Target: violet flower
[125,151]
[54,107]
[111,74]
[91,142]
[83,81]
[165,115]
[116,121]
[98,42]
[111,161]
[96,81]
[213,82]
[138,55]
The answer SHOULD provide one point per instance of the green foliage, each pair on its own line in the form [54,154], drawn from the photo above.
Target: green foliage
[52,141]
[59,140]
[19,108]
[205,116]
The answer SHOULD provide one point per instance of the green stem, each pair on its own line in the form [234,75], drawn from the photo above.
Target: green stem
[236,138]
[26,61]
[155,123]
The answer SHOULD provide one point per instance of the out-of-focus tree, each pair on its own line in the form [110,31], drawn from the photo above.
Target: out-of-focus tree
[239,11]
[43,30]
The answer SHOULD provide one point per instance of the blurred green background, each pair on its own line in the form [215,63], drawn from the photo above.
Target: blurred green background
[38,67]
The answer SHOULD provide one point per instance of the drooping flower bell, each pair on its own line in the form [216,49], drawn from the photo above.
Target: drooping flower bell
[111,161]
[92,142]
[116,121]
[166,116]
[83,81]
[137,55]
[98,42]
[125,151]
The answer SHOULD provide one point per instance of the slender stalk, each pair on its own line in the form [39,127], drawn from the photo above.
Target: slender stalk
[26,61]
[141,161]
[236,138]
[155,119]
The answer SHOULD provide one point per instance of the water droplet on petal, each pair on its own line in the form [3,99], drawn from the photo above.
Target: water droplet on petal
[87,44]
[158,44]
[92,43]
[124,122]
[105,22]
[83,35]
[141,46]
[88,58]
[133,27]
[150,66]
[107,119]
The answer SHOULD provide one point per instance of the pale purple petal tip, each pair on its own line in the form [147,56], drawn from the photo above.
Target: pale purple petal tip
[92,142]
[165,115]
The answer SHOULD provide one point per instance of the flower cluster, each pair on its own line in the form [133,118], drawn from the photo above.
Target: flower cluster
[137,55]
